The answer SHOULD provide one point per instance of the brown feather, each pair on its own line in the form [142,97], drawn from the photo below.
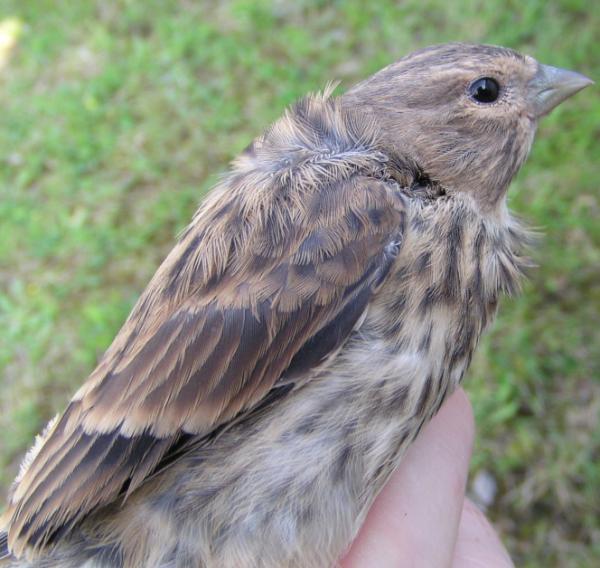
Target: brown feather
[268,263]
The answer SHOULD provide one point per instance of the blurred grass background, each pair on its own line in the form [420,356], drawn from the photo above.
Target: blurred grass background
[116,117]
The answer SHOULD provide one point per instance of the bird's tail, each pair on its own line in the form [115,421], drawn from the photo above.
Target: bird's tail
[7,560]
[5,555]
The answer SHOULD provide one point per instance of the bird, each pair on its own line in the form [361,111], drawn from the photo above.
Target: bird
[324,301]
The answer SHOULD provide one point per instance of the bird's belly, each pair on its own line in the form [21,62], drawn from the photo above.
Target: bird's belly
[291,485]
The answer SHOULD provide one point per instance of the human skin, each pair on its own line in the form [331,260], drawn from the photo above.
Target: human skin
[422,517]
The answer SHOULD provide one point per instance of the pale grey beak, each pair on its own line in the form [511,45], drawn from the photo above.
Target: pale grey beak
[552,85]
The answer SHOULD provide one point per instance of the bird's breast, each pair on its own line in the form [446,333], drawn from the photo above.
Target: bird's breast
[300,474]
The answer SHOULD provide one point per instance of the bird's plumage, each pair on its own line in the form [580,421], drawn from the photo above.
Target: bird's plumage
[324,301]
[267,282]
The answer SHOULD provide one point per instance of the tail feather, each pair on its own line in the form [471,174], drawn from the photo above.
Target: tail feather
[5,554]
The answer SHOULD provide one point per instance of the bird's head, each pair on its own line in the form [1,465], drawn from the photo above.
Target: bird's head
[465,113]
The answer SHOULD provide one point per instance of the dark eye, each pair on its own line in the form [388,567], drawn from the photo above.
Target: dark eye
[484,90]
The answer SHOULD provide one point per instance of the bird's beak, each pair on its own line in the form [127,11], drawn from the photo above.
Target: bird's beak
[552,85]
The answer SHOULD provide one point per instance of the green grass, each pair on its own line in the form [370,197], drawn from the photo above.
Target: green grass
[117,116]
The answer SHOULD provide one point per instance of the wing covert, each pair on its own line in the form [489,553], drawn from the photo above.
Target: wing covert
[247,294]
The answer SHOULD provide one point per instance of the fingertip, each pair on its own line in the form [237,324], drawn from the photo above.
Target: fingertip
[459,407]
[448,440]
[478,543]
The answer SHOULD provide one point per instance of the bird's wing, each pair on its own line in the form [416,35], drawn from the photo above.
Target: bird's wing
[250,294]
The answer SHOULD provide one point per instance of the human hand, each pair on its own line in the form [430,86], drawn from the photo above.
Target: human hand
[422,518]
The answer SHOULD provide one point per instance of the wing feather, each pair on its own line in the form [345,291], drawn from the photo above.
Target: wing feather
[209,339]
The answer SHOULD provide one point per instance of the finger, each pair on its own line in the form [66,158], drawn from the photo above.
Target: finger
[414,520]
[478,544]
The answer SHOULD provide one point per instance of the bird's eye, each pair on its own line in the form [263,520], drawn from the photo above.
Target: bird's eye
[484,90]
